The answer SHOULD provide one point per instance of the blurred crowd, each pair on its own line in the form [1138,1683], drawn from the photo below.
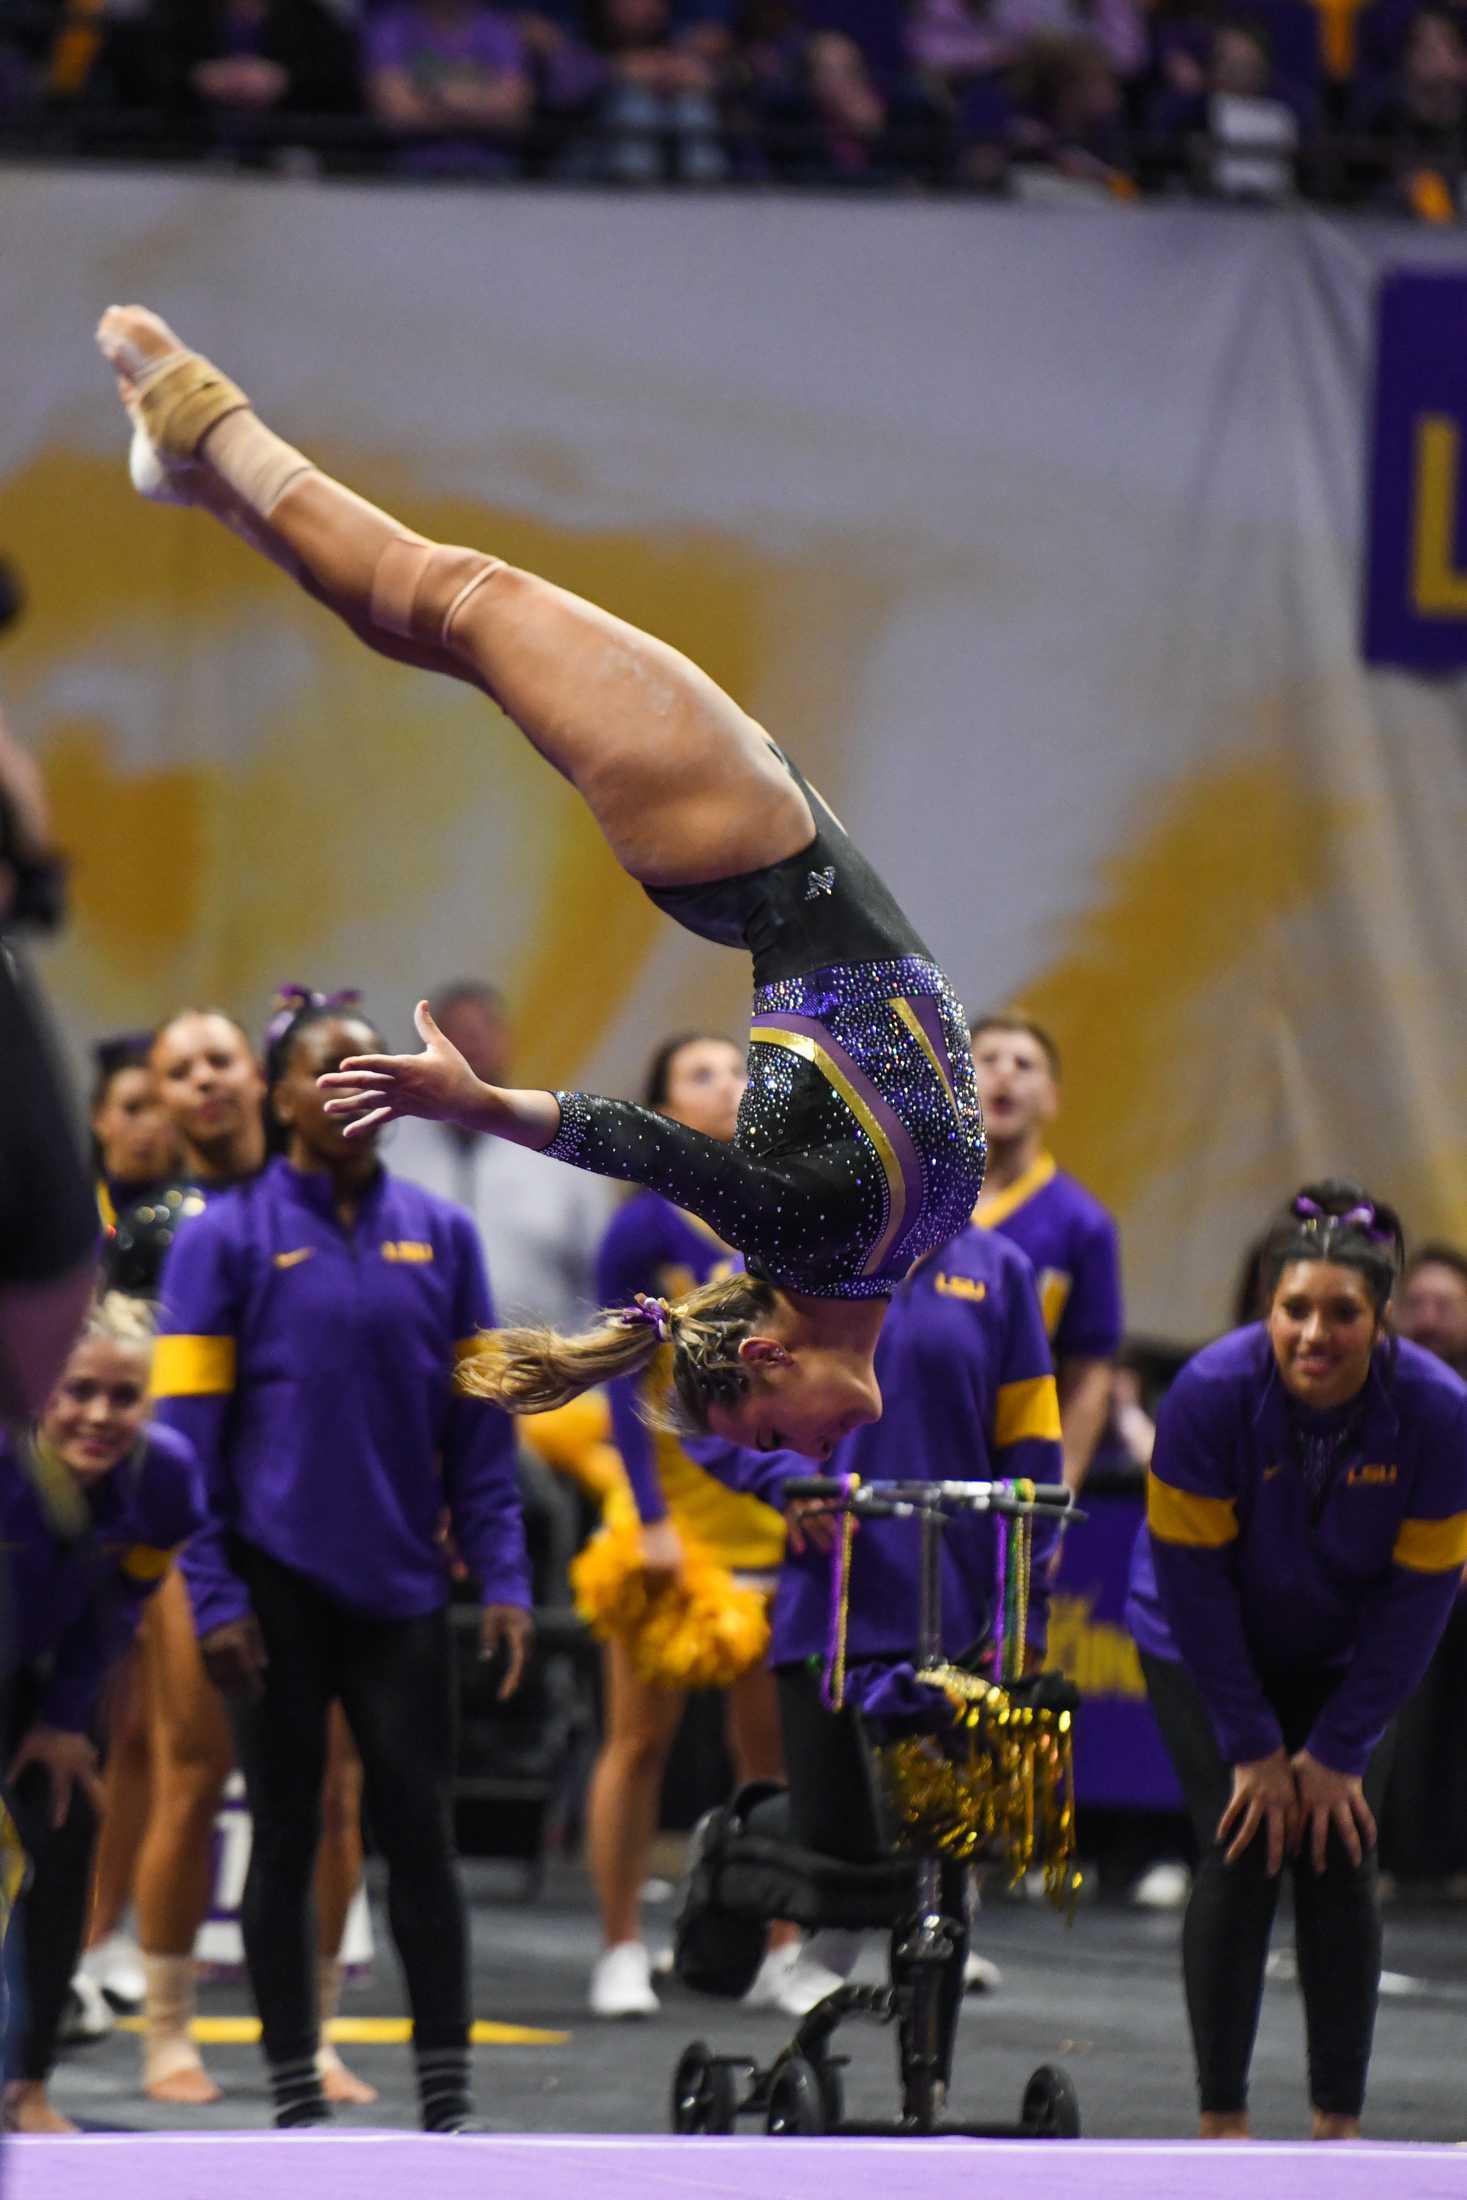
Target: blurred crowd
[1360,105]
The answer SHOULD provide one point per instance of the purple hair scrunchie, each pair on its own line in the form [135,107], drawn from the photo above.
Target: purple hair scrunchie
[654,1313]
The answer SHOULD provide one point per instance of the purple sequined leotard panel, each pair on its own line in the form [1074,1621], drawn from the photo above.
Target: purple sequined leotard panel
[860,1143]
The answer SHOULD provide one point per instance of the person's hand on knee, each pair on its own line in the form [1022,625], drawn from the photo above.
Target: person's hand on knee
[234,1657]
[1264,1796]
[1328,1798]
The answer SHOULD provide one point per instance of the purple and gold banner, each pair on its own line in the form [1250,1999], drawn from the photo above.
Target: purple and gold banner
[1120,1763]
[1416,570]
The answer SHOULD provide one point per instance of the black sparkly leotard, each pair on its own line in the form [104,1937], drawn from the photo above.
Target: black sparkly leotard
[859,1144]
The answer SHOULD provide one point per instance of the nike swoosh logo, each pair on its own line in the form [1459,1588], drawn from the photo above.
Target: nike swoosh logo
[293,1260]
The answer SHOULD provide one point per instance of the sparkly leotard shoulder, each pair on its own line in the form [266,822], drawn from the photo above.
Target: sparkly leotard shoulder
[860,1143]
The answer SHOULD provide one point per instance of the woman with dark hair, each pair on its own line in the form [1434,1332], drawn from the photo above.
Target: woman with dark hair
[1307,1526]
[314,1319]
[859,1144]
[136,1144]
[212,1089]
[653,1247]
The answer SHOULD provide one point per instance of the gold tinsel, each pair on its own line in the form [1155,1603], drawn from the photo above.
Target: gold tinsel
[1001,1779]
[700,1632]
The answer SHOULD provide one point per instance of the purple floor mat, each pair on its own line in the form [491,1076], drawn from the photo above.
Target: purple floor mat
[391,2166]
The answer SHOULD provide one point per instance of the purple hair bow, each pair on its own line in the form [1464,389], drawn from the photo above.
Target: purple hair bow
[291,1000]
[1362,1217]
[653,1312]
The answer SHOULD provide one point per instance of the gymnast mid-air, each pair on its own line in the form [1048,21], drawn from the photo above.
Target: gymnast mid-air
[860,1139]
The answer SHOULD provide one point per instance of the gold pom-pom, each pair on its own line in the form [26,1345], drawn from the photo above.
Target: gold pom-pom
[700,1632]
[1002,1781]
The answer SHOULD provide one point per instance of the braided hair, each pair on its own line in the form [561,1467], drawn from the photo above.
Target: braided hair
[1336,1220]
[534,1370]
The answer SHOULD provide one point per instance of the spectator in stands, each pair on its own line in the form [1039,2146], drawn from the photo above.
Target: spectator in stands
[656,114]
[828,114]
[233,60]
[1067,1234]
[454,78]
[1069,111]
[1421,116]
[1227,98]
[540,1224]
[1307,1527]
[956,41]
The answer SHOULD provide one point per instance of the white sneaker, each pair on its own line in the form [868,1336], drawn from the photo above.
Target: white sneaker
[980,1974]
[800,1981]
[86,2016]
[1164,1887]
[116,1964]
[621,1982]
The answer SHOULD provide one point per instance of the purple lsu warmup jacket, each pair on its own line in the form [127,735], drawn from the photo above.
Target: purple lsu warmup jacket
[1240,1576]
[313,1369]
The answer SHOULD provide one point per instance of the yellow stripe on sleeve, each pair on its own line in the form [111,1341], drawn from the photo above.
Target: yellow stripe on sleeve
[1432,1546]
[1181,1516]
[193,1367]
[1026,1409]
[145,1562]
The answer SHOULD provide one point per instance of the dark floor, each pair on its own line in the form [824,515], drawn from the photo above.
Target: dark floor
[1102,1995]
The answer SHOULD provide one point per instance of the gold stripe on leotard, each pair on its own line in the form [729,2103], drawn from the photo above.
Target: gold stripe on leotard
[909,1017]
[799,1042]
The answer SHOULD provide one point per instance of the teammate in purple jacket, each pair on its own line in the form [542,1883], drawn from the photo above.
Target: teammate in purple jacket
[315,1317]
[91,1508]
[1307,1526]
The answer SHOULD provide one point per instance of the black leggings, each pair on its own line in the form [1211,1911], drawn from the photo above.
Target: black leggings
[51,1914]
[1231,1911]
[834,1810]
[392,1679]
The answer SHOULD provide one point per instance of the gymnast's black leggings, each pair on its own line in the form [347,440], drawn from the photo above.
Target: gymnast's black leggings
[392,1679]
[1231,1912]
[834,1810]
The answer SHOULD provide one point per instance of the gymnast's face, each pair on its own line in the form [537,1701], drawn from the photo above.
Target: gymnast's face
[802,1398]
[1322,1325]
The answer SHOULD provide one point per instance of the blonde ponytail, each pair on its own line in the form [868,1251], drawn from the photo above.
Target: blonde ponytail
[535,1370]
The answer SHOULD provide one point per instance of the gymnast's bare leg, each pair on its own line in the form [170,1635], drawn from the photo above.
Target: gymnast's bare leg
[684,785]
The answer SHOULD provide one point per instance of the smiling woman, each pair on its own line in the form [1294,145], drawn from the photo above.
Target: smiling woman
[1307,1527]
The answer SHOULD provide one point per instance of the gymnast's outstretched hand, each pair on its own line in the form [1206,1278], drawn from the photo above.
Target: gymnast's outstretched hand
[372,1089]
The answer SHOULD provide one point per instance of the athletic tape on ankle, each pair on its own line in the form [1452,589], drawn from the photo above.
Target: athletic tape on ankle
[182,399]
[254,462]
